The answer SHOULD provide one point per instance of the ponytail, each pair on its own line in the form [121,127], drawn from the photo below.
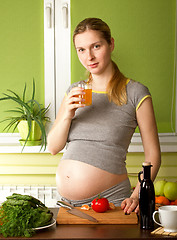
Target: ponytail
[116,89]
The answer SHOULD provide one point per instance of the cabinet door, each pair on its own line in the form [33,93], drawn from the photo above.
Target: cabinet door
[56,52]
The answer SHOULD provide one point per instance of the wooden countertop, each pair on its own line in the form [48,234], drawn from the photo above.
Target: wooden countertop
[86,232]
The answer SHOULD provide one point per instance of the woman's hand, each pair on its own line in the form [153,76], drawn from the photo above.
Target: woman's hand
[58,135]
[130,204]
[72,102]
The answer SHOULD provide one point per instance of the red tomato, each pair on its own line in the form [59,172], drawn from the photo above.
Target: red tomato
[100,204]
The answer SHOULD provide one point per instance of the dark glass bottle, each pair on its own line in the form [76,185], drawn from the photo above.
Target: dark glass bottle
[146,197]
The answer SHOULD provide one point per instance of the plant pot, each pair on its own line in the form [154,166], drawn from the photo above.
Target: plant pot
[30,143]
[35,135]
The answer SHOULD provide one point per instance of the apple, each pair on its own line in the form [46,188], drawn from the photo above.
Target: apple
[170,190]
[159,187]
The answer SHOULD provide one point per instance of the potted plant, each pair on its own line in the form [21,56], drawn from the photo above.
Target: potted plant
[31,118]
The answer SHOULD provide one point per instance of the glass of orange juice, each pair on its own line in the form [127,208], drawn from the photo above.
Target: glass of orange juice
[88,93]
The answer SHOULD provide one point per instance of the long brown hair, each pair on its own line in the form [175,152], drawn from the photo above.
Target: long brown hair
[116,89]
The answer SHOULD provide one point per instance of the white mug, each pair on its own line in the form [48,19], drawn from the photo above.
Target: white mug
[168,218]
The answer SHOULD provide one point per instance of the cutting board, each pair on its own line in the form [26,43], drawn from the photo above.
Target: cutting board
[116,216]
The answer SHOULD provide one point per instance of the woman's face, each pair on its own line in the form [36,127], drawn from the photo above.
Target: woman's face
[93,51]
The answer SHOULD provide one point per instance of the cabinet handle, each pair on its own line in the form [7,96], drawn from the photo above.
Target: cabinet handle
[48,15]
[65,15]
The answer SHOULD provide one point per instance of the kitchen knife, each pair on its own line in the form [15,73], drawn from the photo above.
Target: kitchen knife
[75,211]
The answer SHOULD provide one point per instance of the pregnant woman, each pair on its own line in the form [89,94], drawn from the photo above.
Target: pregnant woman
[97,137]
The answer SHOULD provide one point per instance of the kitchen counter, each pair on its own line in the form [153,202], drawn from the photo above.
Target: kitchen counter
[85,232]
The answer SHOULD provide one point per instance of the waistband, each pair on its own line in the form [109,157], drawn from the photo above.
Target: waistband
[115,194]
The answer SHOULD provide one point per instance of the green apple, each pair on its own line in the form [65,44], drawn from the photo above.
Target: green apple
[170,190]
[159,187]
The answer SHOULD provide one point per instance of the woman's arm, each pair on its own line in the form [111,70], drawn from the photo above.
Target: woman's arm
[149,134]
[57,136]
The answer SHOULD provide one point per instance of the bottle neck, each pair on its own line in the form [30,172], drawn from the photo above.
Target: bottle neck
[147,172]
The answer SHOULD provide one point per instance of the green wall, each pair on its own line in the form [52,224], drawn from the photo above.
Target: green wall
[22,58]
[40,169]
[144,32]
[21,49]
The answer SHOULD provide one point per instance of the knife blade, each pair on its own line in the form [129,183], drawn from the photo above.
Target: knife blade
[76,212]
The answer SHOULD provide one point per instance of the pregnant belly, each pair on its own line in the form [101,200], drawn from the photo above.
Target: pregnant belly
[77,180]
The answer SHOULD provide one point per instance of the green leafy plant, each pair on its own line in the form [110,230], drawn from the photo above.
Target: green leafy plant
[29,110]
[21,214]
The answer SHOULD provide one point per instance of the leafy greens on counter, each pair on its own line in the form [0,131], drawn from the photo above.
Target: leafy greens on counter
[20,214]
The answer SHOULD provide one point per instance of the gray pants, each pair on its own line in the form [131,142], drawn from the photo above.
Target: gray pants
[115,194]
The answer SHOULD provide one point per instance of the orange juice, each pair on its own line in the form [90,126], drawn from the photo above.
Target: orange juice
[88,97]
[88,93]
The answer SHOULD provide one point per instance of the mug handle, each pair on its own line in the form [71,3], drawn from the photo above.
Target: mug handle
[154,213]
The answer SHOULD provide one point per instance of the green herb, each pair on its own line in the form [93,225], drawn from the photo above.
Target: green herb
[20,214]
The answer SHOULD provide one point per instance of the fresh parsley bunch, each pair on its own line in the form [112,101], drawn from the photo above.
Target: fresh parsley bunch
[20,214]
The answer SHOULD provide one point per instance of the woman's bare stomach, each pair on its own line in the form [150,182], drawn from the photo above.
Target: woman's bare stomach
[77,180]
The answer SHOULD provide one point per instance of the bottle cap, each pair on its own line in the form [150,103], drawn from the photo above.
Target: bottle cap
[147,164]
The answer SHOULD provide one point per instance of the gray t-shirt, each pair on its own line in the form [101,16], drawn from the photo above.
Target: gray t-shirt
[100,134]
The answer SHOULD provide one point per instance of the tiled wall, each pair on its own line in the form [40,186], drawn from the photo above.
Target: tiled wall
[45,194]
